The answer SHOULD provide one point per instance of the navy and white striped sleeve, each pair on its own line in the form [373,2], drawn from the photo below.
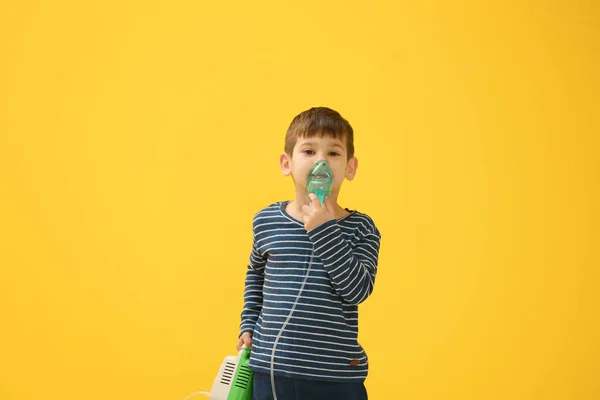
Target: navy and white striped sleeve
[352,269]
[253,290]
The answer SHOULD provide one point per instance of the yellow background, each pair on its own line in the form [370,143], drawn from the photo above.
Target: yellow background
[138,138]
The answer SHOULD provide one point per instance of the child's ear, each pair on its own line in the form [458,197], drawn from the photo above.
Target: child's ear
[285,164]
[351,168]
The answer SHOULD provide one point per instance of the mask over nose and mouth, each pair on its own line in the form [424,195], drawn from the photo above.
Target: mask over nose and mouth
[320,180]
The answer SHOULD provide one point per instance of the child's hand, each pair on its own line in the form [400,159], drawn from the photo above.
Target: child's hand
[246,339]
[315,214]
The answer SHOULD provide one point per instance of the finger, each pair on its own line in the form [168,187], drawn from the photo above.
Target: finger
[306,209]
[313,197]
[248,342]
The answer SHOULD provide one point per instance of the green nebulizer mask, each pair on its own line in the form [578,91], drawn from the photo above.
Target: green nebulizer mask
[320,180]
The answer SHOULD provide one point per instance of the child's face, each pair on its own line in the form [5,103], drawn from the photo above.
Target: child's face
[308,151]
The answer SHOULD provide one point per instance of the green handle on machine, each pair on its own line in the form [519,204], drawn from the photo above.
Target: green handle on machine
[241,389]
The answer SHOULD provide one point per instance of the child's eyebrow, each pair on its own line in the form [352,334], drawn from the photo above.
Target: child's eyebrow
[313,144]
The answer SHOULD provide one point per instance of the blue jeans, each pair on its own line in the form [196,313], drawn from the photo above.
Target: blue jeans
[301,389]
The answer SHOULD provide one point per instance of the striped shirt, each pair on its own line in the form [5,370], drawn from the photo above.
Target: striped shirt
[320,340]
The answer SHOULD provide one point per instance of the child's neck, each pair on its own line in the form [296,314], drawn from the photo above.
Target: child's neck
[294,207]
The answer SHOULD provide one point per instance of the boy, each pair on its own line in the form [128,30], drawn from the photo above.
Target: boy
[310,267]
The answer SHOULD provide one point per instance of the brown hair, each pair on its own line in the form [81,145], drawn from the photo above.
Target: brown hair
[319,121]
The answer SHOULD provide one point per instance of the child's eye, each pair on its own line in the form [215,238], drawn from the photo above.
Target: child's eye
[334,153]
[308,151]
